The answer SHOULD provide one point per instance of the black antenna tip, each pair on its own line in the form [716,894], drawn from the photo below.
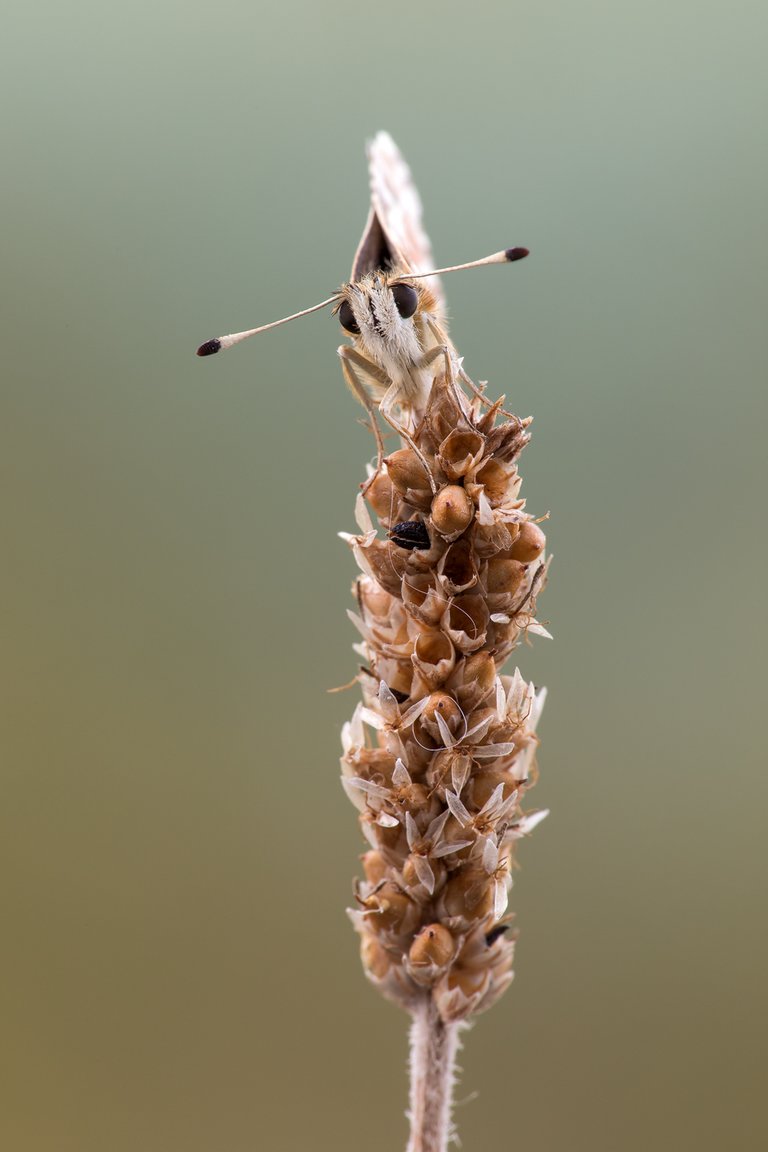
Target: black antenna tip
[513,254]
[209,348]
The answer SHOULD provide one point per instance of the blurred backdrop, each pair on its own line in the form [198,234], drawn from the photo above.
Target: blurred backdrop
[177,853]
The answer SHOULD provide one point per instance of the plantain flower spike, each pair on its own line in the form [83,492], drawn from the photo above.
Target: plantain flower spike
[441,751]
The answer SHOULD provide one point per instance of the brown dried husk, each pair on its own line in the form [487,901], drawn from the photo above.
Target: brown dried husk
[440,752]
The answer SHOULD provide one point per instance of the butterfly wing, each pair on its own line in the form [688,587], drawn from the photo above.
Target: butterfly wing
[394,234]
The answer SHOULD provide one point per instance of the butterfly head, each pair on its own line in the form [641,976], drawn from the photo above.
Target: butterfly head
[385,312]
[377,304]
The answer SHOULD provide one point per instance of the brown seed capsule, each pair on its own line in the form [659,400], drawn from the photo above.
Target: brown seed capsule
[443,413]
[381,496]
[372,763]
[413,796]
[392,910]
[482,787]
[375,601]
[473,680]
[378,557]
[449,769]
[504,575]
[495,478]
[374,866]
[491,539]
[374,957]
[503,638]
[452,510]
[412,878]
[469,981]
[406,470]
[434,656]
[469,893]
[459,452]
[422,598]
[466,622]
[457,568]
[433,946]
[441,704]
[529,544]
[398,674]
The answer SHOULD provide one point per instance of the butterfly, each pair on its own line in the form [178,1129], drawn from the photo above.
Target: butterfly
[395,321]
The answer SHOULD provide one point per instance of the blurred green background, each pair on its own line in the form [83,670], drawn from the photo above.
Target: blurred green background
[177,854]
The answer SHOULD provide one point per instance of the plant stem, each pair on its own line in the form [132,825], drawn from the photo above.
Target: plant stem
[434,1045]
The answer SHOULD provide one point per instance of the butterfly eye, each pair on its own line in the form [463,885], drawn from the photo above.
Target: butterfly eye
[406,299]
[347,318]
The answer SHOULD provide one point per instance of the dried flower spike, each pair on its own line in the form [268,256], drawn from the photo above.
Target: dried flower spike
[439,754]
[441,751]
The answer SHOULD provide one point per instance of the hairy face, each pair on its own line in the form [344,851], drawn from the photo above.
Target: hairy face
[385,313]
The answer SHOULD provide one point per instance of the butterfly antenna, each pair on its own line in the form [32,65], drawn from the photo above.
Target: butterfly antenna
[506,256]
[219,343]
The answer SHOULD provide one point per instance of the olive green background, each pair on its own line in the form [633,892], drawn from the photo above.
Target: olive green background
[178,971]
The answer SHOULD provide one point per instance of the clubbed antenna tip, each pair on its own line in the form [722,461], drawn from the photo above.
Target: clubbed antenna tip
[209,347]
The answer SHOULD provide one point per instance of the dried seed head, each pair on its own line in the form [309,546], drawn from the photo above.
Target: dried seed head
[440,754]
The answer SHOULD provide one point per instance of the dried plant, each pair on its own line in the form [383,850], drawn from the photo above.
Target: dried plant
[441,751]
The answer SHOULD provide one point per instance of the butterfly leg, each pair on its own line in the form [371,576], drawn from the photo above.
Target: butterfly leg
[390,398]
[443,348]
[479,391]
[349,357]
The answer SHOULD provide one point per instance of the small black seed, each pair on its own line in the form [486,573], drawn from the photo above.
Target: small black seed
[209,348]
[513,254]
[410,534]
[494,934]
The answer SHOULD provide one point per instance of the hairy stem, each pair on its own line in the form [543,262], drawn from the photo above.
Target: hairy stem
[434,1045]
